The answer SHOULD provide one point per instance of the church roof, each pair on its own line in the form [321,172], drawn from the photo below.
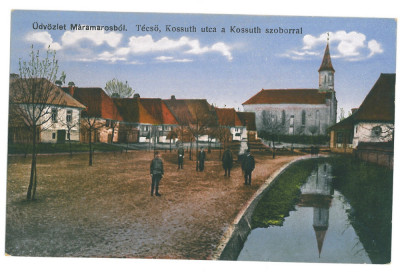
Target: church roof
[326,61]
[378,105]
[288,96]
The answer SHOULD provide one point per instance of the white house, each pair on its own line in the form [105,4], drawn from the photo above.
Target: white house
[39,102]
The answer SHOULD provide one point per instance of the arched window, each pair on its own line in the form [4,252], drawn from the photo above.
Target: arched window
[283,117]
[303,118]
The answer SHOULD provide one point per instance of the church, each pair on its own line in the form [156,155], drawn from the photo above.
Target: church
[297,111]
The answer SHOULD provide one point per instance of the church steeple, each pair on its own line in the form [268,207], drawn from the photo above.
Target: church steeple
[326,71]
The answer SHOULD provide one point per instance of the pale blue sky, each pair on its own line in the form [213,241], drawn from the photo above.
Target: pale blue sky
[225,68]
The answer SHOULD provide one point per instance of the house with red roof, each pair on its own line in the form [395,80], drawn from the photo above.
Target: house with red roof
[372,122]
[248,120]
[194,116]
[100,110]
[298,111]
[145,120]
[228,117]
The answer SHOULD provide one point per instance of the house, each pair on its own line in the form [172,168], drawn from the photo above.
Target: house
[228,117]
[55,113]
[298,111]
[372,122]
[102,116]
[248,120]
[148,119]
[195,117]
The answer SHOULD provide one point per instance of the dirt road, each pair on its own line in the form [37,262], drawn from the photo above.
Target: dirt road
[106,210]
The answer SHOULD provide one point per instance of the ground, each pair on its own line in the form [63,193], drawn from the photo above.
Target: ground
[106,210]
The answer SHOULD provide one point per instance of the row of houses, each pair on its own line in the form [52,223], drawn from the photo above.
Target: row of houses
[79,114]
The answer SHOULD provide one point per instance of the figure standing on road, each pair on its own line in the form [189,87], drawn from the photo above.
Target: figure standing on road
[227,161]
[156,172]
[181,155]
[202,158]
[248,165]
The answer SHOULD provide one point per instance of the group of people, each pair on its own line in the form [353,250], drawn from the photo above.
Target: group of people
[157,167]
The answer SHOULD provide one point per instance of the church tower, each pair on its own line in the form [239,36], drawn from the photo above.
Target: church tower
[326,72]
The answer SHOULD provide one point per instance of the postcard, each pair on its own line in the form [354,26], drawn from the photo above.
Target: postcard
[201,137]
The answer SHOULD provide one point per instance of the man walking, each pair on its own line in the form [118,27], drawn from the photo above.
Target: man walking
[248,165]
[181,153]
[227,162]
[202,158]
[156,172]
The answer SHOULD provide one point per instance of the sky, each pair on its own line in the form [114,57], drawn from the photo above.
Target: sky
[169,54]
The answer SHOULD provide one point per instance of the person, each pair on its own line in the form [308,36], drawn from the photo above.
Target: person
[181,155]
[156,172]
[248,165]
[202,158]
[227,162]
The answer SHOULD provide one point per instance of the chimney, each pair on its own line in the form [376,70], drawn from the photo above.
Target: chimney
[71,90]
[173,97]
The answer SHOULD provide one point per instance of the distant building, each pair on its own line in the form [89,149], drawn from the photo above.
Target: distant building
[101,109]
[299,111]
[372,122]
[228,117]
[195,116]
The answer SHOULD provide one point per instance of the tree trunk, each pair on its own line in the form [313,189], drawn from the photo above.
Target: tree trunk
[70,146]
[90,149]
[197,153]
[33,165]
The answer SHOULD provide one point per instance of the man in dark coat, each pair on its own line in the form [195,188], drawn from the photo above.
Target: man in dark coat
[181,155]
[202,158]
[227,161]
[156,172]
[248,165]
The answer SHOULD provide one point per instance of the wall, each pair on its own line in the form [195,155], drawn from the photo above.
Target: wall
[324,113]
[51,127]
[363,133]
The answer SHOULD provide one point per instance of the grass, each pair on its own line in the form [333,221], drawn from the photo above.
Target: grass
[281,197]
[369,189]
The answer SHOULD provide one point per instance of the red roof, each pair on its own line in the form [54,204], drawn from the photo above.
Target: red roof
[98,103]
[190,111]
[133,111]
[379,103]
[157,108]
[248,119]
[288,96]
[228,117]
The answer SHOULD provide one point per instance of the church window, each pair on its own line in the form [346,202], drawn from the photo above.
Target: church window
[303,118]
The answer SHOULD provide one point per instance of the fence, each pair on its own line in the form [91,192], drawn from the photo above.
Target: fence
[379,153]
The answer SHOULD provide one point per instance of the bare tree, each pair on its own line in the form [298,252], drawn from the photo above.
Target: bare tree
[201,121]
[117,89]
[223,134]
[32,97]
[69,123]
[90,126]
[271,126]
